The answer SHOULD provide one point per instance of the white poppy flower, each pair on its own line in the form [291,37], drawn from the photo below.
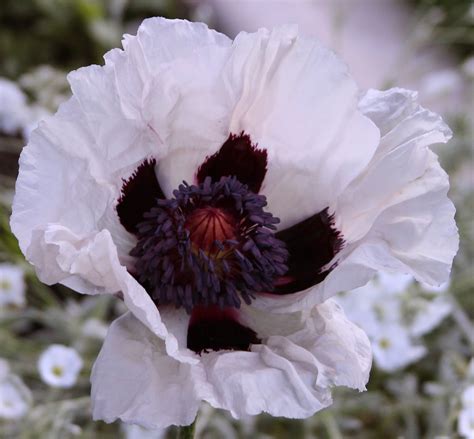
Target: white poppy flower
[15,397]
[12,286]
[296,189]
[59,366]
[466,416]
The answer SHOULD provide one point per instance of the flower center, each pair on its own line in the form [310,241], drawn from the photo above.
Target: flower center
[57,371]
[5,285]
[210,224]
[212,244]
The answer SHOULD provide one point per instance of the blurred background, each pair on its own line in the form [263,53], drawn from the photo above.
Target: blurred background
[422,382]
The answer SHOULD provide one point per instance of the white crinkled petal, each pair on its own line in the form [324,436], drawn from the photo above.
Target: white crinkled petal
[402,195]
[90,265]
[201,115]
[133,379]
[55,185]
[264,380]
[420,228]
[295,98]
[185,110]
[76,261]
[289,374]
[164,41]
[396,216]
[408,155]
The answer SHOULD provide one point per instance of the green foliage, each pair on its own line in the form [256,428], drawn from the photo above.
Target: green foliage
[453,23]
[68,34]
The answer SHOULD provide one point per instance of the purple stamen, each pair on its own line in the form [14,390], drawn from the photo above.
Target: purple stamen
[212,244]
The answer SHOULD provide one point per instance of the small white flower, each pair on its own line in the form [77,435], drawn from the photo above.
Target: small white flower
[395,319]
[392,284]
[15,397]
[441,83]
[468,67]
[470,369]
[435,288]
[16,116]
[94,328]
[376,304]
[466,416]
[14,113]
[393,348]
[4,368]
[429,314]
[59,366]
[47,84]
[12,286]
[136,432]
